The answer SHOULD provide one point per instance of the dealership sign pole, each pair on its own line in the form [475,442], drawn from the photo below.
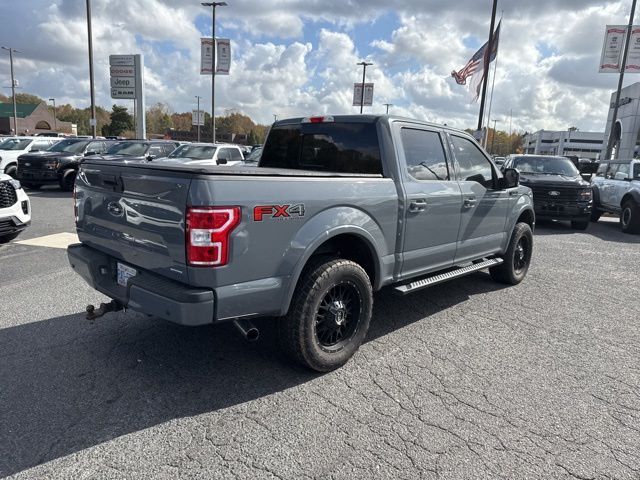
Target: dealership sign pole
[623,66]
[127,82]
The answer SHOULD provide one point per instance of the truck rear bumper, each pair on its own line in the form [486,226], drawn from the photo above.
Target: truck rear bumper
[146,292]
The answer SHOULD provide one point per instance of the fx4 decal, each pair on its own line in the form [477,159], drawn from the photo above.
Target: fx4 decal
[260,212]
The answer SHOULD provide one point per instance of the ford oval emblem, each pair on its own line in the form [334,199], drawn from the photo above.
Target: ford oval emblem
[115,209]
[554,193]
[27,164]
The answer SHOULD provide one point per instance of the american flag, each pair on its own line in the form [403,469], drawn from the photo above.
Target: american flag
[477,63]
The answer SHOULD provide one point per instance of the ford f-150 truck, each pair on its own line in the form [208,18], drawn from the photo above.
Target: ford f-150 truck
[338,208]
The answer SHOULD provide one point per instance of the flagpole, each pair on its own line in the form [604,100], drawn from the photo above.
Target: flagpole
[493,84]
[487,58]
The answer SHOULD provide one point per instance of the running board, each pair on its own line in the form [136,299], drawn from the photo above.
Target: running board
[444,277]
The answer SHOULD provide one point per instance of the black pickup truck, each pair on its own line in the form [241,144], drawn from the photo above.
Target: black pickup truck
[59,163]
[559,192]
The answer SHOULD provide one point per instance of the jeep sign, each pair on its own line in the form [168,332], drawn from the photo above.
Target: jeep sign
[123,82]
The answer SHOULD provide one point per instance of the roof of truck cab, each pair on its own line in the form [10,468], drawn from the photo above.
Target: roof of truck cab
[365,118]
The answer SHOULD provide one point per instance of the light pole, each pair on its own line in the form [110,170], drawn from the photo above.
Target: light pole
[13,89]
[92,86]
[364,73]
[55,117]
[493,139]
[275,117]
[213,6]
[198,116]
[388,105]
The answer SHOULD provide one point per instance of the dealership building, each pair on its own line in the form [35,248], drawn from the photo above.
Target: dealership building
[574,143]
[33,118]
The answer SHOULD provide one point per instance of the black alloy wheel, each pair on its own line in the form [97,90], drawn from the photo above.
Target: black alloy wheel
[338,316]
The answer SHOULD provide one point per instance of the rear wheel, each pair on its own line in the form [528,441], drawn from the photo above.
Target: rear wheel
[329,315]
[630,217]
[580,224]
[517,258]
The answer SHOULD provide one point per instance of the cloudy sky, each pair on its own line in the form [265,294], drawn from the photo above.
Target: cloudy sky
[298,57]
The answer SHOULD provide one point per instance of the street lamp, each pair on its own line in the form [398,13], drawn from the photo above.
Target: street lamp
[364,73]
[55,118]
[275,117]
[198,116]
[93,90]
[388,105]
[13,89]
[213,6]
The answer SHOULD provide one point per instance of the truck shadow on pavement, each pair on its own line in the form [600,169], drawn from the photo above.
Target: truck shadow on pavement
[607,229]
[67,384]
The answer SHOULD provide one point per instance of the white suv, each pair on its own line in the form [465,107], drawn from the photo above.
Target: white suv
[12,147]
[206,154]
[15,209]
[616,189]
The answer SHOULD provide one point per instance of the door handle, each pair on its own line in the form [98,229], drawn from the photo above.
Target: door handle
[470,202]
[418,205]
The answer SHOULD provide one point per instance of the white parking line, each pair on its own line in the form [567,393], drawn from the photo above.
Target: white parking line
[57,240]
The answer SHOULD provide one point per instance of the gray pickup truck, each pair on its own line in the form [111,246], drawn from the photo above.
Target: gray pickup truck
[337,208]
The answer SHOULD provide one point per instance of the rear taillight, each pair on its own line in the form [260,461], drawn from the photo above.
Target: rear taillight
[208,231]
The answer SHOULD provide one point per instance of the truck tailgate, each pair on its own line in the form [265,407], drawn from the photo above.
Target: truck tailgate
[135,215]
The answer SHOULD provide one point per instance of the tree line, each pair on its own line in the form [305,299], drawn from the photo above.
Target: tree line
[159,119]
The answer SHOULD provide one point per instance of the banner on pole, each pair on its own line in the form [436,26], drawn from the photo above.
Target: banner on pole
[368,94]
[223,56]
[197,117]
[633,55]
[206,56]
[612,48]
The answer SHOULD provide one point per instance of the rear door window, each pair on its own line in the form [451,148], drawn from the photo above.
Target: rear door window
[324,147]
[236,156]
[424,154]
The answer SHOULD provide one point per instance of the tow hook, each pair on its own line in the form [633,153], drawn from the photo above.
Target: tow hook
[112,306]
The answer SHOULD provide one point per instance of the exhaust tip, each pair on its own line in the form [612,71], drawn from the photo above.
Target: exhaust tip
[247,329]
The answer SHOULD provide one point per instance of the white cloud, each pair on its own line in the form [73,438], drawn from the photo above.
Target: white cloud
[296,57]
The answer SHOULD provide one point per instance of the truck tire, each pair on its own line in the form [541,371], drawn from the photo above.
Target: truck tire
[7,238]
[11,170]
[329,315]
[579,224]
[595,214]
[67,180]
[630,217]
[517,258]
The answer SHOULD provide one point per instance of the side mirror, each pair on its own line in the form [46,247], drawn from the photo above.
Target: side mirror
[221,161]
[511,178]
[150,157]
[90,153]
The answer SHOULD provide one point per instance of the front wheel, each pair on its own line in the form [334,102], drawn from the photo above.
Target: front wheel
[517,258]
[12,171]
[67,180]
[329,315]
[630,217]
[595,214]
[8,238]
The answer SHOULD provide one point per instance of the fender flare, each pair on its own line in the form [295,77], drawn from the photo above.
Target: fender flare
[323,227]
[635,194]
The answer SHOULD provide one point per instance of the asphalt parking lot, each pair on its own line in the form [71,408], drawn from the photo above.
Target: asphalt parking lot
[465,380]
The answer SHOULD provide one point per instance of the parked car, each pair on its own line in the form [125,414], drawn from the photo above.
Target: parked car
[59,164]
[499,161]
[140,149]
[15,208]
[205,154]
[559,192]
[12,147]
[616,189]
[338,207]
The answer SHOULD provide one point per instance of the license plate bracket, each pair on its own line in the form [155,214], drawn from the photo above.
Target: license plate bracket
[125,272]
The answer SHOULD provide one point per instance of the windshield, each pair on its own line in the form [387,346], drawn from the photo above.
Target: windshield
[254,156]
[194,152]
[73,146]
[545,165]
[15,144]
[136,149]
